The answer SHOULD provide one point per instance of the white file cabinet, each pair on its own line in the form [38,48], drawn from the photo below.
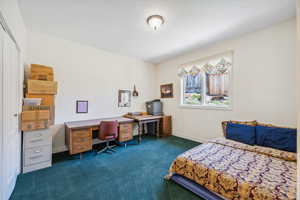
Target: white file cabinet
[37,150]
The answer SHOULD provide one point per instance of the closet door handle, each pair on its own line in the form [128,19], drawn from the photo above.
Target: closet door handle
[35,157]
[16,115]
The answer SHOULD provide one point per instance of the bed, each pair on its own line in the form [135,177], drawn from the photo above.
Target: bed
[226,169]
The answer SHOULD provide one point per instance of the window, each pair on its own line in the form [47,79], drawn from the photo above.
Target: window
[206,83]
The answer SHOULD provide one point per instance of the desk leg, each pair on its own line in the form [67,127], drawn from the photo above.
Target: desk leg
[143,129]
[140,127]
[157,129]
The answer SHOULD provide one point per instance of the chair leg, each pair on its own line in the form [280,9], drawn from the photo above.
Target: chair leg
[110,148]
[101,151]
[107,149]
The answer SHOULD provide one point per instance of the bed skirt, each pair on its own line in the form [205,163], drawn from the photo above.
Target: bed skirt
[195,187]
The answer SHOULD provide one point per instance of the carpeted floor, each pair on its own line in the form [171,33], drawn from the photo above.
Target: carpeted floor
[133,173]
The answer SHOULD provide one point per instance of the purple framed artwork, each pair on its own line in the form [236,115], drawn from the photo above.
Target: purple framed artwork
[82,106]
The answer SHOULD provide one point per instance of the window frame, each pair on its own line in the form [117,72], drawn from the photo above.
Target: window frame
[205,106]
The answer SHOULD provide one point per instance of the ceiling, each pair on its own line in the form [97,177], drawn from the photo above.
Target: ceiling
[119,25]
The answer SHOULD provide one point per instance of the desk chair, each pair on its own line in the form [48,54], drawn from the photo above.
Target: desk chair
[108,131]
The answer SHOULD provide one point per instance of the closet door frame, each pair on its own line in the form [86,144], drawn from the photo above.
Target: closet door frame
[5,190]
[1,115]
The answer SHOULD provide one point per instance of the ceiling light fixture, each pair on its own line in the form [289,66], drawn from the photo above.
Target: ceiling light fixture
[155,21]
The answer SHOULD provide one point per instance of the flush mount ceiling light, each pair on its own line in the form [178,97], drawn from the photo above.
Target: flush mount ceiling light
[155,21]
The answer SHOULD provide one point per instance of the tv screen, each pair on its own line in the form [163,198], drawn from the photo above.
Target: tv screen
[154,107]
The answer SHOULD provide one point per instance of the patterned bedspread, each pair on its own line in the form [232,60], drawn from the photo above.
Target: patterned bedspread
[238,171]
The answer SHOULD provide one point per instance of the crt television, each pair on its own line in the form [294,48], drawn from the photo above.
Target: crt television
[154,107]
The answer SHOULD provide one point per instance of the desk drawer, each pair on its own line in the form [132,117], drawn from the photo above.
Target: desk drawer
[82,143]
[81,133]
[83,137]
[81,147]
[125,138]
[80,140]
[125,132]
[37,155]
[125,127]
[37,138]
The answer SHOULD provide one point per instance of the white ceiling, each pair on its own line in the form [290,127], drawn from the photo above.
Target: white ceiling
[119,25]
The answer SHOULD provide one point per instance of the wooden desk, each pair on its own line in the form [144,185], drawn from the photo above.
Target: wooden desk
[145,119]
[79,137]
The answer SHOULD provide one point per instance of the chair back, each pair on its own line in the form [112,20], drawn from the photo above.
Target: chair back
[108,130]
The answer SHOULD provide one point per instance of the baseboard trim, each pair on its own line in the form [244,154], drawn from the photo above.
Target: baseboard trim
[35,167]
[201,140]
[59,149]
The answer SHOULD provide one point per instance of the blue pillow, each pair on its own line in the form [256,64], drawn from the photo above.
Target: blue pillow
[278,138]
[241,133]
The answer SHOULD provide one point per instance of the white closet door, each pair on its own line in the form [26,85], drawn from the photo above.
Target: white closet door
[11,136]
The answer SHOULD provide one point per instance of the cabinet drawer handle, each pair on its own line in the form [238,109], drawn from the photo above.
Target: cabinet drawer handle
[80,148]
[37,151]
[81,139]
[37,140]
[35,157]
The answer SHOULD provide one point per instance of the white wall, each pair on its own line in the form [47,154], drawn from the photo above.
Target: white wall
[11,13]
[87,73]
[263,83]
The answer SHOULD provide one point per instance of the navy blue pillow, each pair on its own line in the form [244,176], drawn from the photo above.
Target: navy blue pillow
[278,138]
[241,133]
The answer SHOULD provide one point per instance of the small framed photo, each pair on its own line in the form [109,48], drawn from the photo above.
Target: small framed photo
[82,106]
[124,98]
[166,90]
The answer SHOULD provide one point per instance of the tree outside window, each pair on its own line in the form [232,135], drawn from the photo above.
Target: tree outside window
[207,83]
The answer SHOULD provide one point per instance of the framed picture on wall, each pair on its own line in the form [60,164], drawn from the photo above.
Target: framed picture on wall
[124,98]
[82,106]
[166,90]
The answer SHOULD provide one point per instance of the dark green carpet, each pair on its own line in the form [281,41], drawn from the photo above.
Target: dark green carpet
[133,173]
